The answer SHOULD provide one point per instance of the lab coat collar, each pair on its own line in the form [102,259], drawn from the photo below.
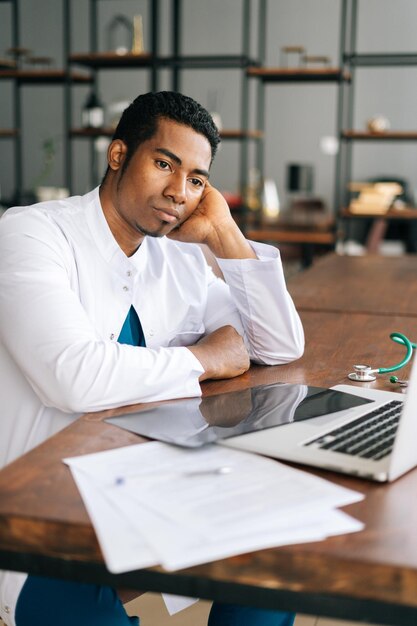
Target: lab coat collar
[104,238]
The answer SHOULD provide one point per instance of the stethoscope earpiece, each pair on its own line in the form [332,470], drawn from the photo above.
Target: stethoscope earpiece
[396,380]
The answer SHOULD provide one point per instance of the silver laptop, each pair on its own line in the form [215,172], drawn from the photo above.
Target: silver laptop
[348,428]
[376,441]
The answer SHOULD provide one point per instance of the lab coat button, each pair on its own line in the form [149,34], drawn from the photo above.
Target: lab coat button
[128,273]
[151,332]
[125,288]
[112,336]
[6,608]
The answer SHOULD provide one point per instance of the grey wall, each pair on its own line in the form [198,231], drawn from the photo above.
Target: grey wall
[298,116]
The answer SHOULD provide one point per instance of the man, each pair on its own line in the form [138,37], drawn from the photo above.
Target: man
[105,300]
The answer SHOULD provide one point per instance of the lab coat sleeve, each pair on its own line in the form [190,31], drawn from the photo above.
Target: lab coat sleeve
[48,334]
[256,302]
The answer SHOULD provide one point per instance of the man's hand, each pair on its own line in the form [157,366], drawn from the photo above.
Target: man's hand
[222,354]
[212,224]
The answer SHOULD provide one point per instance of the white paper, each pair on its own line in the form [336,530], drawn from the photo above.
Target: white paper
[175,604]
[169,515]
[127,551]
[123,548]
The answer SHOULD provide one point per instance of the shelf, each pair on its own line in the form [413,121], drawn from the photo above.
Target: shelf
[108,132]
[5,132]
[381,59]
[301,74]
[111,59]
[211,61]
[407,213]
[92,132]
[383,136]
[240,134]
[44,76]
[7,64]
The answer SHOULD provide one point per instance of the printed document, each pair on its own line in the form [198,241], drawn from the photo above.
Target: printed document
[154,504]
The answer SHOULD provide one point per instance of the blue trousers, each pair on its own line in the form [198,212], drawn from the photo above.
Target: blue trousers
[236,615]
[52,602]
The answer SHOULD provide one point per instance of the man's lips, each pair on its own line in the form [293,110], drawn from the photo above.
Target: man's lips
[171,216]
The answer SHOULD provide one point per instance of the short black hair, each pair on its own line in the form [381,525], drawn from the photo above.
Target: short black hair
[139,122]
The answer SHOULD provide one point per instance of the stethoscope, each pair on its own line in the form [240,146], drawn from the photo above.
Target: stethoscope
[364,373]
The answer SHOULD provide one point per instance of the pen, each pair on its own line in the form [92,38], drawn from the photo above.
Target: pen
[215,471]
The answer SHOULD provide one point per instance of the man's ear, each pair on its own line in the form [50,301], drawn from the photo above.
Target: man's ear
[116,154]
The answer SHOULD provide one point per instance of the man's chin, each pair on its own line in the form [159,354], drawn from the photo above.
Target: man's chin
[160,232]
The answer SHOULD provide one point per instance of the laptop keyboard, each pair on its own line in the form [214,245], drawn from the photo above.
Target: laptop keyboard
[370,436]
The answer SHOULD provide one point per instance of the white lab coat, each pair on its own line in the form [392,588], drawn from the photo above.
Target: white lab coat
[65,290]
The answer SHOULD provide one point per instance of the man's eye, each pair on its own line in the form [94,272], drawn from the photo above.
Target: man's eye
[162,164]
[196,182]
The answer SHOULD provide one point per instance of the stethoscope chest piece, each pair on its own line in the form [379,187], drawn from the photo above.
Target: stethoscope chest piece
[362,374]
[365,374]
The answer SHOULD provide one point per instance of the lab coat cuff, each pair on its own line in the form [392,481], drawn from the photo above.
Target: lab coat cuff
[192,385]
[264,252]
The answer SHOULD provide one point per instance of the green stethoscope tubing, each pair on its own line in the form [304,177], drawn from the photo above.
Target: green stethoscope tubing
[400,338]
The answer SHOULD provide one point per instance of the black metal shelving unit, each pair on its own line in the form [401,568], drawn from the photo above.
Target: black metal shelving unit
[352,60]
[66,78]
[343,76]
[275,76]
[312,233]
[14,132]
[83,68]
[39,77]
[177,63]
[95,61]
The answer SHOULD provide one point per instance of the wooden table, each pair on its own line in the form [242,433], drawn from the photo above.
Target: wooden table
[371,575]
[365,284]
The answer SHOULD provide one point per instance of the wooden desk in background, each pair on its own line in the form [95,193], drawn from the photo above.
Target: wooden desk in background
[371,575]
[365,284]
[305,228]
[380,225]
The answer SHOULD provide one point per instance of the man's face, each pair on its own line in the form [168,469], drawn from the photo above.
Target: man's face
[161,185]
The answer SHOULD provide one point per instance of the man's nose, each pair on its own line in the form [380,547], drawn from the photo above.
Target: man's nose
[176,188]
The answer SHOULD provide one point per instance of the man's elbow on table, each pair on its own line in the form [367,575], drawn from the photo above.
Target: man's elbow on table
[71,399]
[287,352]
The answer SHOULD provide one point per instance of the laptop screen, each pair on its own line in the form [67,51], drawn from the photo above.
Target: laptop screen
[194,422]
